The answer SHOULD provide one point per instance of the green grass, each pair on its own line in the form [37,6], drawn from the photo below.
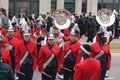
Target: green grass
[115,45]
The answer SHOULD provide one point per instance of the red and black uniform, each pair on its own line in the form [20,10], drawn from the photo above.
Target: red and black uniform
[54,66]
[18,34]
[105,59]
[88,69]
[12,42]
[72,59]
[6,57]
[29,63]
[67,34]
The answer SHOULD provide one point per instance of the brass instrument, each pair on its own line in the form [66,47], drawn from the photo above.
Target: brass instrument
[105,17]
[62,18]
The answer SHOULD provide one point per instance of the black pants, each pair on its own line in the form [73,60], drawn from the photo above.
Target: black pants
[27,70]
[12,60]
[51,70]
[103,60]
[70,65]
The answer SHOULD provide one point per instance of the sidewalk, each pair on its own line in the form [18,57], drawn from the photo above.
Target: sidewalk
[115,50]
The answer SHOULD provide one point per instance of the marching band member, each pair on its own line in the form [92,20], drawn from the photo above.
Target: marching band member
[5,56]
[89,68]
[101,51]
[25,57]
[67,31]
[49,59]
[70,55]
[109,35]
[37,29]
[11,42]
[58,36]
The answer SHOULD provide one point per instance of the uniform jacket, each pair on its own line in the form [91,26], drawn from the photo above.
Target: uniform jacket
[45,53]
[88,69]
[96,49]
[18,34]
[75,47]
[20,51]
[12,42]
[66,34]
[6,57]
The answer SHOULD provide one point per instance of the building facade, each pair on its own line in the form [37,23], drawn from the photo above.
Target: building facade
[43,6]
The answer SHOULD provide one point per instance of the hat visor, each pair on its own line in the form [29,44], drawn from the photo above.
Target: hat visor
[112,19]
[51,38]
[10,30]
[72,33]
[26,34]
[66,25]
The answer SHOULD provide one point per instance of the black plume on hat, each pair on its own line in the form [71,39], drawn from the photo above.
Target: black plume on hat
[102,34]
[86,48]
[75,32]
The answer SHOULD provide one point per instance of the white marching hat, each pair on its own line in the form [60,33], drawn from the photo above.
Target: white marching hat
[51,36]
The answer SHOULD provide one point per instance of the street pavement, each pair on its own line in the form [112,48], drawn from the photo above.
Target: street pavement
[113,73]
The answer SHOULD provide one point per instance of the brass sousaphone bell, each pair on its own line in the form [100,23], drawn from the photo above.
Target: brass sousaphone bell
[105,17]
[62,18]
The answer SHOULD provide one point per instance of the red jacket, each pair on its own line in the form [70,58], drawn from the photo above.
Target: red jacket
[45,53]
[66,34]
[89,69]
[12,42]
[3,31]
[75,48]
[96,49]
[6,56]
[20,51]
[18,34]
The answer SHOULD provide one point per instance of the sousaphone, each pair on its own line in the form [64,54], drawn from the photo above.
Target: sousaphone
[105,17]
[62,18]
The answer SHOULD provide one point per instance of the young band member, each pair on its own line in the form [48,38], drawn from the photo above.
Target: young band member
[11,42]
[89,68]
[70,55]
[25,57]
[101,51]
[49,59]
